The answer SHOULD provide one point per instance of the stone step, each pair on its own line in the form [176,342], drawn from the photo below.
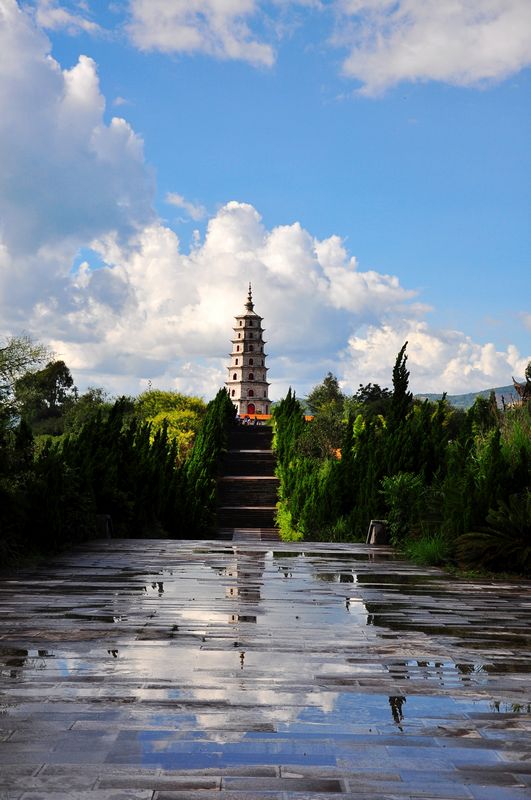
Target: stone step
[258,453]
[248,501]
[248,479]
[249,437]
[245,490]
[240,467]
[247,485]
[246,516]
[251,534]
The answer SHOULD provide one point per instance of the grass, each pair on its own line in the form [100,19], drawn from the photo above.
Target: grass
[431,550]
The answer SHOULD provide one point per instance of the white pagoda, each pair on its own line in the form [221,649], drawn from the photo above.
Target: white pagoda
[247,384]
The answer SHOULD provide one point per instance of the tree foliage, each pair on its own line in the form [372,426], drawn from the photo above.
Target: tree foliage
[18,356]
[88,405]
[113,466]
[182,416]
[434,472]
[401,398]
[326,396]
[42,397]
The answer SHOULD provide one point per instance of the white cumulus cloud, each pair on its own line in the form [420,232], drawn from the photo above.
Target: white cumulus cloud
[194,210]
[168,307]
[438,360]
[55,16]
[463,42]
[67,177]
[156,312]
[216,27]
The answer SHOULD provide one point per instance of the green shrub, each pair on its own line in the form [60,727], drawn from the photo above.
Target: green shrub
[429,550]
[284,522]
[197,479]
[505,543]
[404,495]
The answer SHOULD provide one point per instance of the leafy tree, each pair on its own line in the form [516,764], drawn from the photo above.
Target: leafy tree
[43,396]
[370,400]
[182,416]
[155,401]
[484,414]
[182,426]
[19,355]
[371,393]
[322,436]
[326,396]
[95,400]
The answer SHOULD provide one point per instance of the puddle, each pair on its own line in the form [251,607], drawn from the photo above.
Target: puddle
[106,618]
[248,656]
[401,579]
[510,708]
[331,556]
[317,736]
[335,577]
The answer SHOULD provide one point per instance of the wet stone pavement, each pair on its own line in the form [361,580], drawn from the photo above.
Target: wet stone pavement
[162,670]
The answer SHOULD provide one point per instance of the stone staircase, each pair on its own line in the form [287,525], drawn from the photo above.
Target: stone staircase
[247,485]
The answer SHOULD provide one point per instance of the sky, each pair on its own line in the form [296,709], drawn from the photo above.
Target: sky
[364,163]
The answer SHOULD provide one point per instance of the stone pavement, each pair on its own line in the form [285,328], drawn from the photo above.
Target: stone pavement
[159,670]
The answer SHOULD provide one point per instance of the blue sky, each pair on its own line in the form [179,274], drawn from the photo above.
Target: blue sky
[395,134]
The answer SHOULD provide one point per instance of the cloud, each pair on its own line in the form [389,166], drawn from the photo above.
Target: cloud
[172,305]
[156,312]
[194,210]
[438,360]
[462,43]
[215,27]
[67,176]
[120,101]
[53,16]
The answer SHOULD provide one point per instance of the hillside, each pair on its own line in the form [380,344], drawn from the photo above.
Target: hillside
[466,400]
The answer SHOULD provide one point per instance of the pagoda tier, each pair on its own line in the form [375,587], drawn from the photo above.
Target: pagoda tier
[247,384]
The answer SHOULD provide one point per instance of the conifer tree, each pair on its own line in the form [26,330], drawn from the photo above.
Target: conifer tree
[402,397]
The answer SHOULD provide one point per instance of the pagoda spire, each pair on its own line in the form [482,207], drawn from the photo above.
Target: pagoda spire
[249,304]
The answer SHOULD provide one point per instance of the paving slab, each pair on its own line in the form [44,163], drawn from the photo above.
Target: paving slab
[249,669]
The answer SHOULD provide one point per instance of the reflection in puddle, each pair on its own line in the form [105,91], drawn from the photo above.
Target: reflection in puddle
[13,660]
[335,555]
[241,618]
[88,617]
[316,736]
[402,579]
[247,656]
[397,704]
[156,586]
[511,708]
[335,577]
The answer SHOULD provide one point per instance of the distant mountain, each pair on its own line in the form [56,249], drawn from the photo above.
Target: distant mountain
[466,400]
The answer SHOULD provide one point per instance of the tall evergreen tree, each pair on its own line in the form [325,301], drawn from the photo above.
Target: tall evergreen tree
[402,398]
